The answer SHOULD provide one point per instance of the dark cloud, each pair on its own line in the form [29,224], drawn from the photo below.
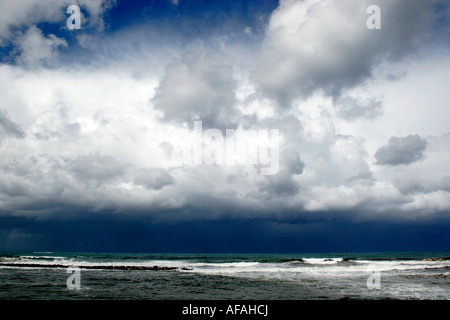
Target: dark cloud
[400,151]
[409,186]
[153,178]
[283,183]
[351,108]
[445,184]
[291,162]
[421,186]
[102,233]
[12,186]
[198,86]
[97,168]
[363,176]
[8,128]
[27,181]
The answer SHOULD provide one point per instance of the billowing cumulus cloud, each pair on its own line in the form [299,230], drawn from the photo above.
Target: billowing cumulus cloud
[401,150]
[92,120]
[325,46]
[35,49]
[197,86]
[153,178]
[97,168]
[283,183]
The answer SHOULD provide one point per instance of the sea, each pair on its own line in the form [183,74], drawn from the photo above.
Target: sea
[169,276]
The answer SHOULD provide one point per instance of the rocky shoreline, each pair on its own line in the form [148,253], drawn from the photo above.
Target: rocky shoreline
[435,259]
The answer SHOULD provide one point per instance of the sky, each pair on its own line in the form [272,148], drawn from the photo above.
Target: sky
[98,126]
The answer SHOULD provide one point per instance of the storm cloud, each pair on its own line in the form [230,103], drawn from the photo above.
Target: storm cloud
[90,118]
[401,150]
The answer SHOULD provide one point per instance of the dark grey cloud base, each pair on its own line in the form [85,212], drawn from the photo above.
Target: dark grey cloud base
[403,150]
[98,233]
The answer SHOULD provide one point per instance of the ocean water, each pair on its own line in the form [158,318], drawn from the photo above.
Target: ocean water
[44,275]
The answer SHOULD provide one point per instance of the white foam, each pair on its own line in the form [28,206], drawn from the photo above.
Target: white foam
[42,257]
[311,268]
[322,260]
[404,265]
[314,268]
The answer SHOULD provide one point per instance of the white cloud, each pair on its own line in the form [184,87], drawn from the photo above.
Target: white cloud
[8,127]
[197,86]
[19,20]
[15,14]
[101,137]
[325,46]
[36,49]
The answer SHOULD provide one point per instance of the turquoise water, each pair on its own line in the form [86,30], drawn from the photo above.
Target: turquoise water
[44,275]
